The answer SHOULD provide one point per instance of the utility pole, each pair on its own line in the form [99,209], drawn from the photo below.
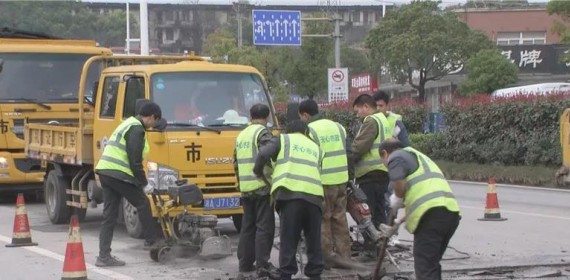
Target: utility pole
[128,45]
[237,8]
[335,35]
[144,27]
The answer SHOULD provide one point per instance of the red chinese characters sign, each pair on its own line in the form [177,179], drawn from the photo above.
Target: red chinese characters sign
[363,83]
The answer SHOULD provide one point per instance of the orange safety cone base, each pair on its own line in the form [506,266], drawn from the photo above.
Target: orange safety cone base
[21,234]
[74,267]
[492,212]
[23,243]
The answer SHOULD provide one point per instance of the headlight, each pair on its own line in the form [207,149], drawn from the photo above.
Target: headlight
[160,176]
[3,163]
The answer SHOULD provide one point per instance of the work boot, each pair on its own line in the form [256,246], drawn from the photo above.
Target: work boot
[109,261]
[269,271]
[246,275]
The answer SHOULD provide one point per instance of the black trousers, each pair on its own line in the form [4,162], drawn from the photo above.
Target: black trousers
[257,233]
[431,238]
[113,191]
[375,191]
[298,216]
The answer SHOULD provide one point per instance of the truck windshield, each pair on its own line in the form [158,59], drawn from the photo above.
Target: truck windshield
[208,98]
[43,77]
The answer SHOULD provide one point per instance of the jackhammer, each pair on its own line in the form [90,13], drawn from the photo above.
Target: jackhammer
[360,212]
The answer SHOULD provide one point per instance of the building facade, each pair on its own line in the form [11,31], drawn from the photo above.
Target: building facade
[175,28]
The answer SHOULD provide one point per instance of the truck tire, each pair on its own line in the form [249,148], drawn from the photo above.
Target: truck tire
[56,198]
[236,219]
[131,219]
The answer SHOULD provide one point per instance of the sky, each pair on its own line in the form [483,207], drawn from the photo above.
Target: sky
[284,2]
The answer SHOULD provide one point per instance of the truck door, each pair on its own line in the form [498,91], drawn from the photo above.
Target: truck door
[107,111]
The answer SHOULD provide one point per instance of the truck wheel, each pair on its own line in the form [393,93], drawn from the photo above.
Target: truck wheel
[56,198]
[131,219]
[236,219]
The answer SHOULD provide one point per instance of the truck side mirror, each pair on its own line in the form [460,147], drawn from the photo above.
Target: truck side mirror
[1,65]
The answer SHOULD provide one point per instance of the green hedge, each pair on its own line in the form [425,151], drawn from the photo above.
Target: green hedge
[515,131]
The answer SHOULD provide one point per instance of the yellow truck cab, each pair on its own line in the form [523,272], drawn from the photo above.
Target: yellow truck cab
[39,78]
[205,105]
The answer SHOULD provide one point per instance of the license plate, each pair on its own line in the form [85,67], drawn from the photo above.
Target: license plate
[221,203]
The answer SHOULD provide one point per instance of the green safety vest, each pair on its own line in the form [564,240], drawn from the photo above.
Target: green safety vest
[331,137]
[246,152]
[371,160]
[297,167]
[392,119]
[426,188]
[115,152]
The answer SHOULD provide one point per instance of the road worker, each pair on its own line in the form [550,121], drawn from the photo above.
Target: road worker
[432,212]
[331,138]
[297,193]
[398,128]
[258,222]
[370,173]
[399,132]
[121,173]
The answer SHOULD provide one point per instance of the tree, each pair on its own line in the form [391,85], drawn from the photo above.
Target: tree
[487,71]
[309,66]
[562,9]
[67,20]
[356,60]
[419,38]
[219,44]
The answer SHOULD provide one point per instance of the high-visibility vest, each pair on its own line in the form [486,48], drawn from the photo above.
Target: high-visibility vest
[371,160]
[331,138]
[246,152]
[115,152]
[426,188]
[392,119]
[297,167]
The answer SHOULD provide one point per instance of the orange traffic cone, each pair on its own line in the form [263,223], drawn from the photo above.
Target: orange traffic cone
[21,236]
[74,264]
[492,212]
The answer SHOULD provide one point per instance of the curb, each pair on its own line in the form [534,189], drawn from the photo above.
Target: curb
[552,189]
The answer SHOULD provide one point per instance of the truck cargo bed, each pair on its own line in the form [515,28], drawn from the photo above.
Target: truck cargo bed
[66,144]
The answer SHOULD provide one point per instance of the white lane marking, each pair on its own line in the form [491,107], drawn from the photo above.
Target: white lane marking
[55,256]
[520,213]
[509,186]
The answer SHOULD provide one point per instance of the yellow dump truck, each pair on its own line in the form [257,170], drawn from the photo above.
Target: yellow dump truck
[205,105]
[39,78]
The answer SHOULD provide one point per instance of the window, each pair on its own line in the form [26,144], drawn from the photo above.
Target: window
[169,35]
[207,98]
[44,77]
[356,16]
[135,90]
[109,98]
[521,38]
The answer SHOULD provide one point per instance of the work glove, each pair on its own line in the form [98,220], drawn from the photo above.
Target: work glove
[148,189]
[396,202]
[388,231]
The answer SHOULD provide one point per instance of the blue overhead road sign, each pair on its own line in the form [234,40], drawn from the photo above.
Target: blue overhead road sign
[278,28]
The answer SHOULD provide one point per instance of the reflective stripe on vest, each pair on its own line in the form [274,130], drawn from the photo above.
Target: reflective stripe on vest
[427,188]
[246,152]
[115,155]
[371,160]
[331,138]
[297,166]
[392,119]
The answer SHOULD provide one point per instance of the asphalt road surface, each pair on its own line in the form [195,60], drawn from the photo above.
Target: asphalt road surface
[535,234]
